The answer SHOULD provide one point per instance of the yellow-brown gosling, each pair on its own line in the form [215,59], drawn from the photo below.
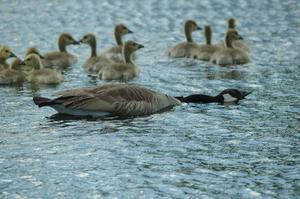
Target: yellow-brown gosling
[39,74]
[122,71]
[205,51]
[62,58]
[5,53]
[14,74]
[230,55]
[95,62]
[185,49]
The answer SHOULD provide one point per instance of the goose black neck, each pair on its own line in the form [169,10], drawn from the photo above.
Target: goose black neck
[201,99]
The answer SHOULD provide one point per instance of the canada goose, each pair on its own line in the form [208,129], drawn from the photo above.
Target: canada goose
[39,74]
[14,74]
[62,58]
[116,99]
[5,53]
[205,51]
[226,96]
[185,49]
[230,55]
[95,62]
[126,70]
[115,53]
[125,100]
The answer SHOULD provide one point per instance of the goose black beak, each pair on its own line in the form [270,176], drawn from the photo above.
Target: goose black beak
[12,55]
[140,46]
[130,32]
[198,28]
[244,94]
[41,56]
[240,37]
[76,43]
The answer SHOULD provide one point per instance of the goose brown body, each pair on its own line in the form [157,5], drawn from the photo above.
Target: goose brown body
[116,99]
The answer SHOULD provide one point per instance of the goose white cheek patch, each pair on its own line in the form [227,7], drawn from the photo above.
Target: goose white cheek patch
[229,98]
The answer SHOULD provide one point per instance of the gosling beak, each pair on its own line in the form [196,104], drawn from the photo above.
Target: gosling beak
[140,46]
[22,63]
[76,42]
[240,37]
[12,55]
[198,28]
[129,31]
[41,56]
[80,41]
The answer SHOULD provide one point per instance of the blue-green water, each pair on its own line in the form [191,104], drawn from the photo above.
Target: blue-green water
[193,151]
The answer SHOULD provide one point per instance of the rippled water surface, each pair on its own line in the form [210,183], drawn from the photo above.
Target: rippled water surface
[193,151]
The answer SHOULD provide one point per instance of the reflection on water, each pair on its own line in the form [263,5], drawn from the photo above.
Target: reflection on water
[248,150]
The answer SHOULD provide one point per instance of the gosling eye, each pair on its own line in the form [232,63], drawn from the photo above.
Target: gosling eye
[29,59]
[7,51]
[85,37]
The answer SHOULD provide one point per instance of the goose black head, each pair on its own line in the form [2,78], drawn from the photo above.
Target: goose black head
[232,95]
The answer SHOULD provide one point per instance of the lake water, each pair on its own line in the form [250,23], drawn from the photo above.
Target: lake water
[192,151]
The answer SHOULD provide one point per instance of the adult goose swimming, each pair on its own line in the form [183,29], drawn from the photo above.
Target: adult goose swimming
[62,58]
[230,55]
[185,49]
[122,71]
[125,100]
[95,62]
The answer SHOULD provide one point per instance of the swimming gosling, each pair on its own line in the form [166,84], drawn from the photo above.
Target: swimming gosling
[95,62]
[122,71]
[62,58]
[185,49]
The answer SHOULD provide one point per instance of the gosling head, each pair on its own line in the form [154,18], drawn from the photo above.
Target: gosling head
[67,39]
[230,36]
[128,48]
[33,60]
[132,46]
[191,25]
[88,39]
[33,50]
[231,23]
[6,52]
[121,29]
